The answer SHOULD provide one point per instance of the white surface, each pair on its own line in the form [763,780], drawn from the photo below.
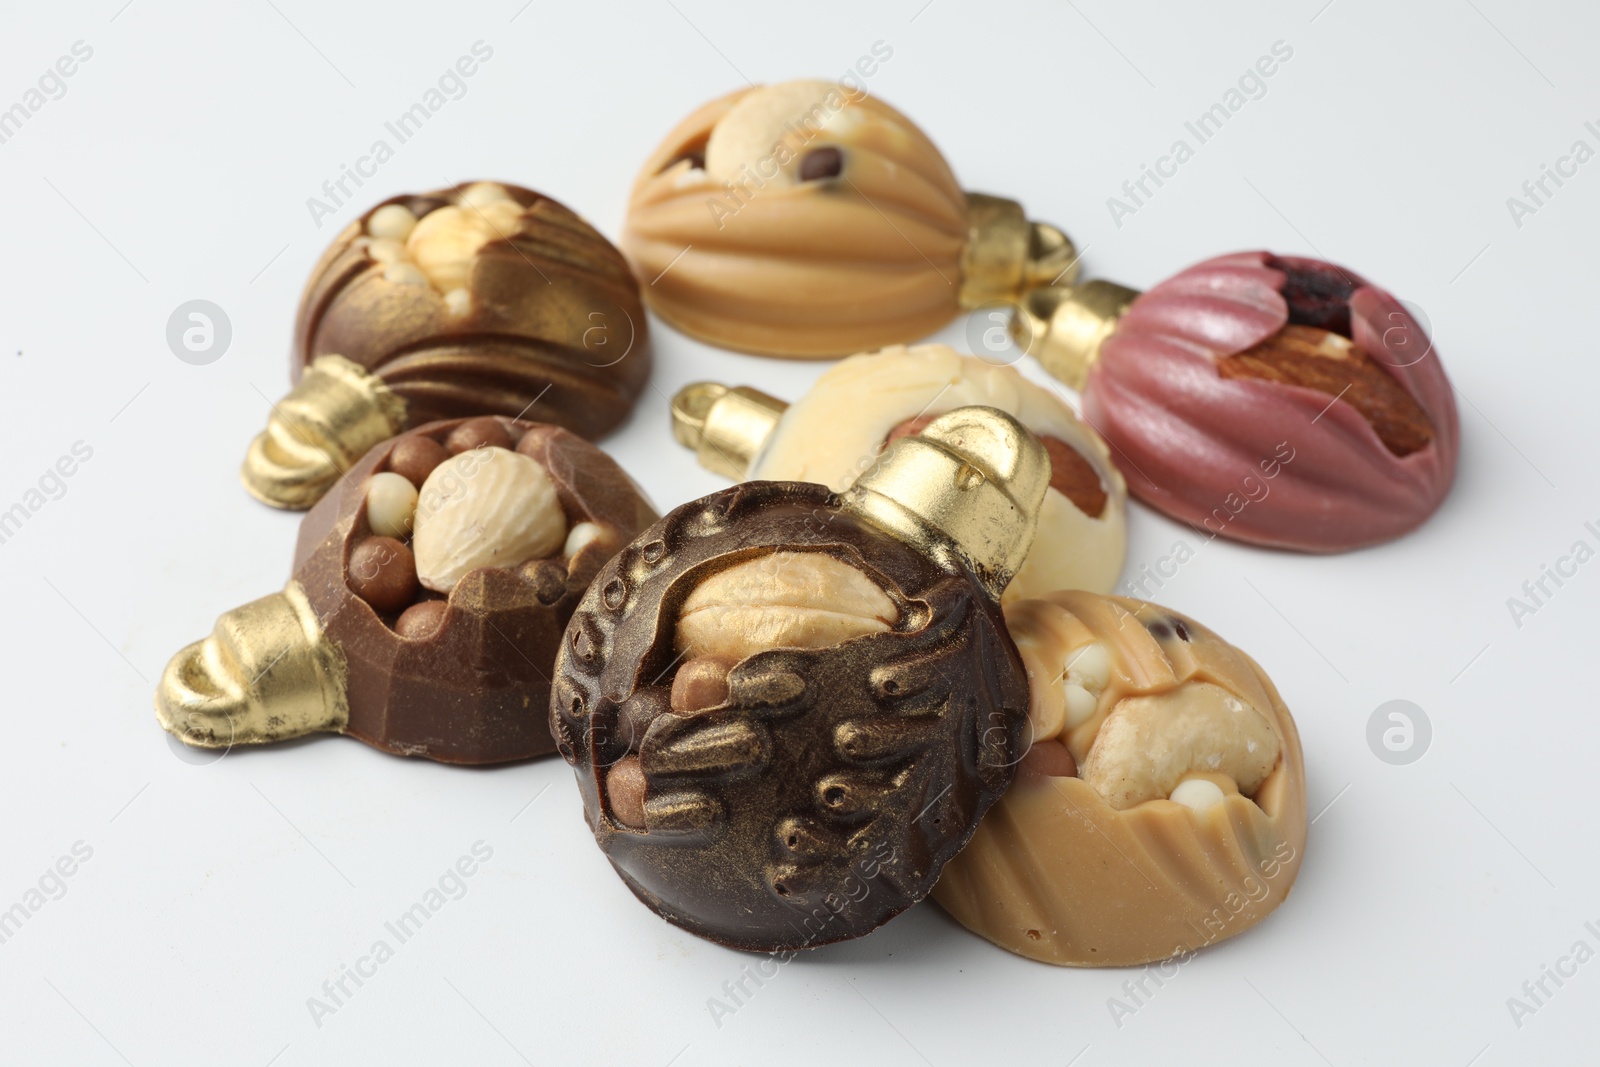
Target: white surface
[219,898]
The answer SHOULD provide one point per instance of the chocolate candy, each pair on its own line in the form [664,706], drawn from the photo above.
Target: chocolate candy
[480,299]
[1275,400]
[787,708]
[808,219]
[898,391]
[1162,805]
[354,645]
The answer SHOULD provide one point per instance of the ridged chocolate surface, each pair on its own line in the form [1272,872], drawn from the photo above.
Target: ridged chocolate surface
[1262,461]
[556,332]
[834,263]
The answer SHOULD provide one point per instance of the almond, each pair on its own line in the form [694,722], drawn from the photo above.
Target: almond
[486,507]
[1314,358]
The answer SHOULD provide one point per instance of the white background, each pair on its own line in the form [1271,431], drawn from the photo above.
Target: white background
[220,897]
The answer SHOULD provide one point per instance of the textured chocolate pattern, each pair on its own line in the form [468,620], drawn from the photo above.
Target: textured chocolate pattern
[828,790]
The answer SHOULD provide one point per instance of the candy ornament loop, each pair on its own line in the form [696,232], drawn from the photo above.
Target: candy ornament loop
[1007,255]
[328,421]
[897,392]
[968,488]
[1062,326]
[724,426]
[267,673]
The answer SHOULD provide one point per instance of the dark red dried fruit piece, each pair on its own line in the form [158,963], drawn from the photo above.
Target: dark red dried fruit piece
[909,428]
[1315,359]
[819,163]
[1318,294]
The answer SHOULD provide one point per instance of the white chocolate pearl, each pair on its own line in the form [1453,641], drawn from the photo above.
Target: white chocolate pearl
[482,194]
[581,535]
[391,503]
[458,302]
[405,274]
[1090,667]
[1080,705]
[386,250]
[392,222]
[1198,794]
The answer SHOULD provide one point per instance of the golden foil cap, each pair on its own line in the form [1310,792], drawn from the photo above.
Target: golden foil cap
[966,490]
[1006,255]
[1064,325]
[328,421]
[725,427]
[267,673]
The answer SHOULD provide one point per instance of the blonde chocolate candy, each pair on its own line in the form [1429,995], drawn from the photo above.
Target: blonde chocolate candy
[837,431]
[810,220]
[1162,806]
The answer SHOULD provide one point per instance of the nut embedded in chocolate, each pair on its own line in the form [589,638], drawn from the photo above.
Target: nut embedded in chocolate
[354,646]
[1275,400]
[897,392]
[784,717]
